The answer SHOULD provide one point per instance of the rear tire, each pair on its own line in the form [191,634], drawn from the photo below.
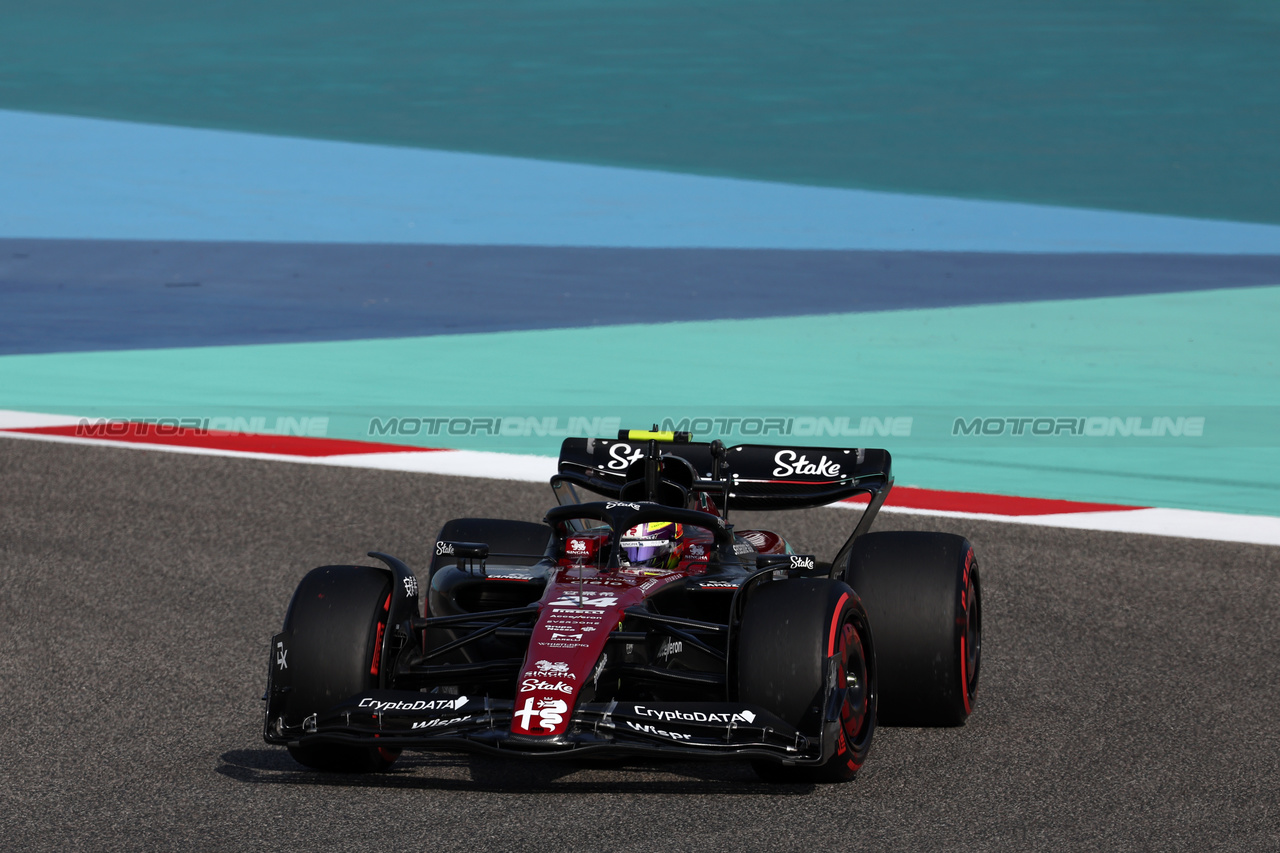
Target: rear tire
[789,629]
[337,621]
[921,592]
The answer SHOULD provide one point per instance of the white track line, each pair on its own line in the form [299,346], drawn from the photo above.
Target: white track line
[9,419]
[456,463]
[1157,521]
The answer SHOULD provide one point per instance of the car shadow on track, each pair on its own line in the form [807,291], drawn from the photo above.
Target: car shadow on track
[460,772]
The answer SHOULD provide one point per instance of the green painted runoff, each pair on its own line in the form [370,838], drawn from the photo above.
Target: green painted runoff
[1201,354]
[1165,107]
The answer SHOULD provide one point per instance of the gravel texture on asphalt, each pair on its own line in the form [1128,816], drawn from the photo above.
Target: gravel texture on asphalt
[1130,688]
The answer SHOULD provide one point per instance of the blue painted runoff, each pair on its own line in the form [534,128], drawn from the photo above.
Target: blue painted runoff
[81,178]
[85,295]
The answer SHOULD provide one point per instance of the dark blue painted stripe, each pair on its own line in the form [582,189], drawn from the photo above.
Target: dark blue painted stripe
[83,295]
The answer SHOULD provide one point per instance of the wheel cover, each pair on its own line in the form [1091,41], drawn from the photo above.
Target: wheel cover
[852,676]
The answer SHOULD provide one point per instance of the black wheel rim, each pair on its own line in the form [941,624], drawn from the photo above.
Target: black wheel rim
[855,716]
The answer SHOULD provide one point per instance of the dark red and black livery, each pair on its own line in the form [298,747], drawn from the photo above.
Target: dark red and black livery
[641,622]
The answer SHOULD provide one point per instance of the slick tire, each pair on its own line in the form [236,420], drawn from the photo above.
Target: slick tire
[526,538]
[922,594]
[338,621]
[789,630]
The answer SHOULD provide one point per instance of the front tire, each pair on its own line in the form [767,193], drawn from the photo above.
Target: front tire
[922,593]
[789,630]
[338,623]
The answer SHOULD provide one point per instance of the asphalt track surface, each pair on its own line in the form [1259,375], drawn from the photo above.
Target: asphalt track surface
[1129,695]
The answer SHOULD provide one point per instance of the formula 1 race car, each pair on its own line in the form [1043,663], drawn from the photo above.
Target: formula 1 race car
[641,623]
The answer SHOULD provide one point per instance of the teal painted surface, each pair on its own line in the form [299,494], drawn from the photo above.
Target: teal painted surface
[1207,354]
[1163,107]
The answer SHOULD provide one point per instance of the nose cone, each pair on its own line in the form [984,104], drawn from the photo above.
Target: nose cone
[568,640]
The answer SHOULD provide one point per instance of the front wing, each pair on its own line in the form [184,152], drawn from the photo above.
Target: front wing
[435,721]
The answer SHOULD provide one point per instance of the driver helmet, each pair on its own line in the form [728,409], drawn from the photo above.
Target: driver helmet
[652,544]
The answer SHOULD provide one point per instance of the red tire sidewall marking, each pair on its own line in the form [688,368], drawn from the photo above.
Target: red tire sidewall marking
[965,600]
[846,645]
[835,623]
[376,664]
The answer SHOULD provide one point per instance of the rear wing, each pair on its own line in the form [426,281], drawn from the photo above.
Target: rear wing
[752,476]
